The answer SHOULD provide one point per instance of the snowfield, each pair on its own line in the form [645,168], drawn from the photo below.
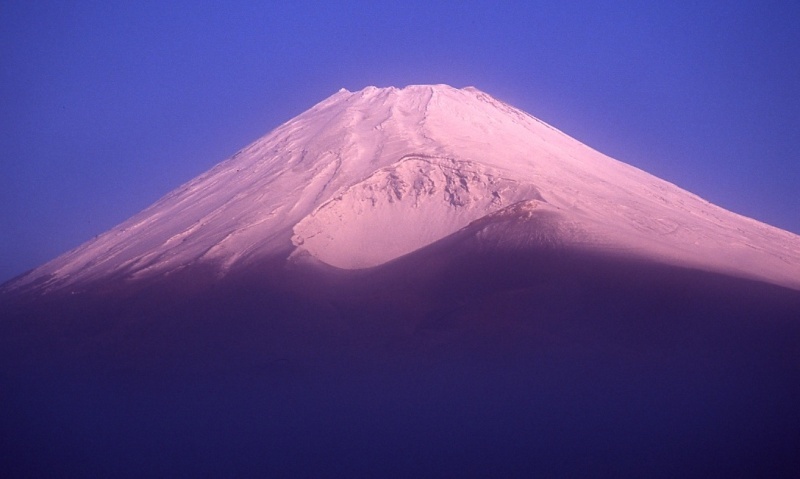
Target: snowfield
[365,177]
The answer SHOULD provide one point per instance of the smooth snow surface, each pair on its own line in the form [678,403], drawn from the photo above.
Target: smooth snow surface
[365,177]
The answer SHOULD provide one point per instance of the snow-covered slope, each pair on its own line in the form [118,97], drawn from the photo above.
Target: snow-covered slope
[363,178]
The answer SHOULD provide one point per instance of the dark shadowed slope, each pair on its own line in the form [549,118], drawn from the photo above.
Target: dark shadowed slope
[455,360]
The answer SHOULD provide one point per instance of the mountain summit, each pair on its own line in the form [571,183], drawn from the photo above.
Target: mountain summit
[364,178]
[416,282]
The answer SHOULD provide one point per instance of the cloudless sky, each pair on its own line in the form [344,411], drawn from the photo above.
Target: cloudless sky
[107,106]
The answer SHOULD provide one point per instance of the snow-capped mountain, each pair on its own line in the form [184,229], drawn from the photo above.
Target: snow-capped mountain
[417,282]
[363,178]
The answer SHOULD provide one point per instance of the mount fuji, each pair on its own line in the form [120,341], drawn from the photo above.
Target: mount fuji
[404,282]
[364,178]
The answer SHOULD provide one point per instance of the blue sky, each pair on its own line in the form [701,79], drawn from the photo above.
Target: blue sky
[107,106]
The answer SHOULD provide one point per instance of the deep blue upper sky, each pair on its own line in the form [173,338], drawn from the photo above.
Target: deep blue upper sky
[107,106]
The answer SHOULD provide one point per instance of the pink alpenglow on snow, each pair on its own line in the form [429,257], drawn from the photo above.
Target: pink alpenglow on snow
[365,177]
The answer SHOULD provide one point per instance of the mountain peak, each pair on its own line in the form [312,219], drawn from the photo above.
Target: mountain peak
[365,177]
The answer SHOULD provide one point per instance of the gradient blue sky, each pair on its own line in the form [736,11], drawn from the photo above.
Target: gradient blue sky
[107,106]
